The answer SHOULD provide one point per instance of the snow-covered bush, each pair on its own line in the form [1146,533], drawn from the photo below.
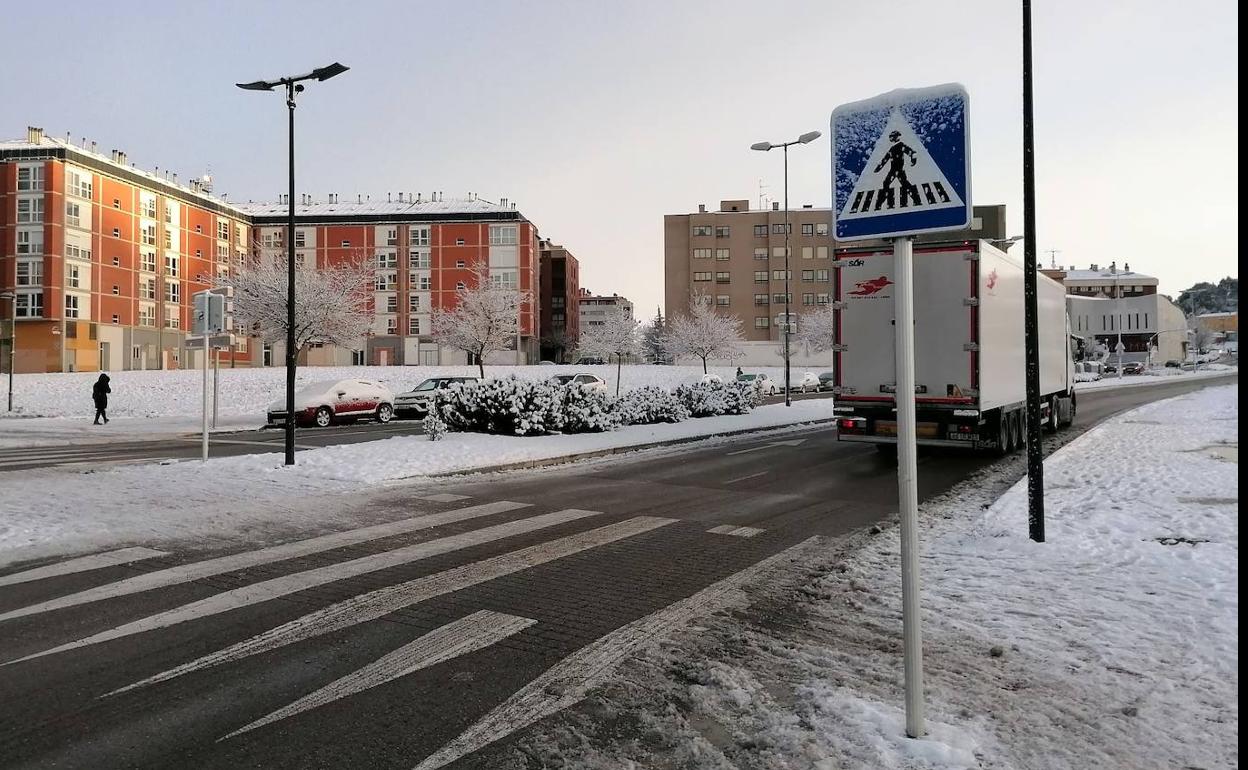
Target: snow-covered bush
[524,407]
[578,408]
[649,405]
[433,425]
[709,399]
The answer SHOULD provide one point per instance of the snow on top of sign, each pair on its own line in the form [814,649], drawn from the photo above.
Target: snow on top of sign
[396,208]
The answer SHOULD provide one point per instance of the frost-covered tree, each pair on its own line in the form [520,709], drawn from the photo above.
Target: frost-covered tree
[652,339]
[333,304]
[816,331]
[485,319]
[703,333]
[617,336]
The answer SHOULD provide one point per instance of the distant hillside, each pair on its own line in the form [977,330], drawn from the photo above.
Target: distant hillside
[1210,298]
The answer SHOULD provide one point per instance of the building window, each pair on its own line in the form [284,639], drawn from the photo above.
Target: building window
[779,299]
[821,252]
[418,236]
[169,208]
[723,277]
[808,299]
[807,252]
[171,265]
[272,239]
[762,323]
[721,255]
[792,321]
[701,276]
[422,283]
[779,228]
[722,300]
[392,325]
[418,259]
[761,299]
[116,318]
[71,306]
[722,231]
[147,315]
[821,276]
[147,261]
[147,288]
[760,253]
[780,275]
[346,244]
[223,252]
[223,231]
[136,352]
[504,235]
[75,251]
[30,272]
[459,263]
[459,241]
[808,229]
[29,210]
[116,232]
[171,316]
[29,241]
[149,207]
[413,325]
[387,261]
[392,304]
[30,304]
[73,276]
[822,299]
[808,275]
[29,178]
[413,303]
[148,235]
[821,228]
[760,276]
[386,281]
[702,230]
[300,260]
[168,238]
[503,279]
[702,253]
[459,286]
[760,231]
[392,237]
[172,291]
[78,183]
[116,261]
[73,215]
[301,239]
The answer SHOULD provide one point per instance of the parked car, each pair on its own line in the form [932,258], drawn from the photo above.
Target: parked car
[827,381]
[590,361]
[809,381]
[699,379]
[1133,367]
[765,385]
[547,363]
[1173,364]
[589,380]
[323,403]
[415,402]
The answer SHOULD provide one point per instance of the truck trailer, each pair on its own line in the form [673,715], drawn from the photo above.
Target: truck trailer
[970,386]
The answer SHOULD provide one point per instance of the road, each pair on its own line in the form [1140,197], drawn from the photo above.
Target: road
[432,639]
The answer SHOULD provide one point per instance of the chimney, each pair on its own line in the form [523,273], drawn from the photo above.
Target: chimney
[112,155]
[775,205]
[69,138]
[701,208]
[502,202]
[1126,267]
[1094,267]
[359,198]
[387,197]
[121,157]
[175,178]
[92,145]
[34,135]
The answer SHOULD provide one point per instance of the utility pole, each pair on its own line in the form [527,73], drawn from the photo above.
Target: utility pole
[1031,313]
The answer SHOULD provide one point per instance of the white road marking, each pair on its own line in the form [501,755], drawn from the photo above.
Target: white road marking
[263,591]
[743,478]
[568,681]
[383,601]
[185,573]
[444,497]
[735,531]
[722,529]
[82,564]
[477,631]
[791,442]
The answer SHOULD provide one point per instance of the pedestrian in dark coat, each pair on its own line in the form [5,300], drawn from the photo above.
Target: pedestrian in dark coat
[99,394]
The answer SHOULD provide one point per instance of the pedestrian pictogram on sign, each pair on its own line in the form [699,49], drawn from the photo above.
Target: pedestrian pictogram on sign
[900,164]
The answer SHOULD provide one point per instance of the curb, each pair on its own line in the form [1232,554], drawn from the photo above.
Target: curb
[568,459]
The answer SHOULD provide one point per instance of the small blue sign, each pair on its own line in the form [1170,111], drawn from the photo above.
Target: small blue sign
[901,164]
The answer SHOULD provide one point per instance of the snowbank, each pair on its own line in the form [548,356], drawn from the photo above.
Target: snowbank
[1113,644]
[1156,377]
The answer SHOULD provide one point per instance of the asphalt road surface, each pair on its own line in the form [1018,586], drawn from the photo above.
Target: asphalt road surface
[433,638]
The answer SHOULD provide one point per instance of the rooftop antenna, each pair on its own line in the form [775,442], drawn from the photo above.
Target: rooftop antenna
[1053,258]
[762,196]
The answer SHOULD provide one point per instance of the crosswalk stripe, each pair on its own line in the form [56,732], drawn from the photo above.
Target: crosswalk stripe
[82,564]
[185,573]
[568,681]
[735,531]
[383,601]
[474,632]
[263,591]
[444,497]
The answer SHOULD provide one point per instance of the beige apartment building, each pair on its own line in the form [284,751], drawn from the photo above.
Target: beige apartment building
[736,256]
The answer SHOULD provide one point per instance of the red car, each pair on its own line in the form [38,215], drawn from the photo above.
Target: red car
[324,403]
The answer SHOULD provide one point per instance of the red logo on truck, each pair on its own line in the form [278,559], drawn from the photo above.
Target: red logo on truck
[992,280]
[868,288]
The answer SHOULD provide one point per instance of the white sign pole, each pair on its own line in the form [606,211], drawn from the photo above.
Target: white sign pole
[204,443]
[216,382]
[907,484]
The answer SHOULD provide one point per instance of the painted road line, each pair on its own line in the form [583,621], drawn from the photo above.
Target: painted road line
[568,681]
[263,591]
[383,601]
[475,632]
[82,564]
[735,531]
[743,478]
[791,442]
[722,529]
[444,497]
[185,573]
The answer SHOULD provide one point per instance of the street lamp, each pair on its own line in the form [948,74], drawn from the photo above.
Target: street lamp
[806,138]
[11,296]
[294,87]
[1113,268]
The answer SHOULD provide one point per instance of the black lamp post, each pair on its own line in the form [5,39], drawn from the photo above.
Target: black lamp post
[293,88]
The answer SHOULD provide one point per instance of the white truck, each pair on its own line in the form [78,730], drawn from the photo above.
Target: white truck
[970,387]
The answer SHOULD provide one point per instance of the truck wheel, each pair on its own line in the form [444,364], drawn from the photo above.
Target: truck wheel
[1052,423]
[1017,439]
[1003,434]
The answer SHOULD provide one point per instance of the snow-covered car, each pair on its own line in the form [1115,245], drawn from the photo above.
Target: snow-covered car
[762,383]
[808,383]
[590,361]
[827,381]
[592,381]
[323,403]
[415,402]
[1133,367]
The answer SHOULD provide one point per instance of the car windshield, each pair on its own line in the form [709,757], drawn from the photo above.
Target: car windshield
[320,387]
[563,378]
[424,386]
[746,377]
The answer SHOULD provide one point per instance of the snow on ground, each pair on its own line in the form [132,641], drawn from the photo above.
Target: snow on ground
[1114,644]
[59,511]
[1156,376]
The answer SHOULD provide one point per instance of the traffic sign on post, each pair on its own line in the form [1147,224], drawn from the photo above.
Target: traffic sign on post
[901,166]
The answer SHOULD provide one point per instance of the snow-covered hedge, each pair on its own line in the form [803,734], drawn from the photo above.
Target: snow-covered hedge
[709,399]
[524,407]
[649,405]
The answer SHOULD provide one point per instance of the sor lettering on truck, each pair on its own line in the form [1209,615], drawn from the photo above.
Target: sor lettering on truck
[871,288]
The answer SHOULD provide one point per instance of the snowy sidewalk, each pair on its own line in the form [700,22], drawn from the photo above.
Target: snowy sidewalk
[1112,645]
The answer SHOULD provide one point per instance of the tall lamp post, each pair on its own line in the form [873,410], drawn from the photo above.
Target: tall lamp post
[11,296]
[1113,268]
[806,138]
[294,87]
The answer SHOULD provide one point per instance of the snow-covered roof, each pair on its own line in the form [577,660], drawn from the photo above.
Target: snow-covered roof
[1104,275]
[376,208]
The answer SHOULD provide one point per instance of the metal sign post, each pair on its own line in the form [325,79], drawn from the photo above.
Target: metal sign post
[210,322]
[216,383]
[901,166]
[204,442]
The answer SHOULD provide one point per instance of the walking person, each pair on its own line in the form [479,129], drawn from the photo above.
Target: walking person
[99,394]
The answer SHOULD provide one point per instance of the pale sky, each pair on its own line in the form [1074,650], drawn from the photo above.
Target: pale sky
[599,118]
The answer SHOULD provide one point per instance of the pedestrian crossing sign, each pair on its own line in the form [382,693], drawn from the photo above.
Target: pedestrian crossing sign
[901,164]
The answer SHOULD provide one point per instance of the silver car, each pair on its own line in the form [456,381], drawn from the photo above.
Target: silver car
[415,402]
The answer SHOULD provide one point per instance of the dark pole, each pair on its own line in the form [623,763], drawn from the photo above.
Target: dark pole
[788,401]
[291,353]
[1035,450]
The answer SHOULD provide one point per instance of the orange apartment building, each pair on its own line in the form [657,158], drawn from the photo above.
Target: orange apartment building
[104,258]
